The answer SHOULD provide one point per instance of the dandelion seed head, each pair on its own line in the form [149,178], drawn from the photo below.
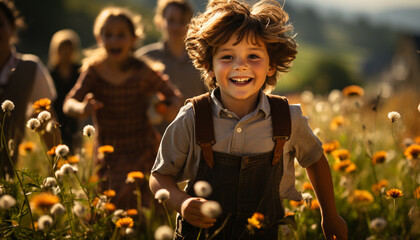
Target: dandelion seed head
[89,131]
[130,232]
[211,209]
[51,125]
[45,222]
[62,150]
[335,96]
[44,116]
[33,124]
[6,202]
[59,174]
[307,96]
[394,116]
[49,182]
[164,233]
[57,209]
[67,169]
[202,189]
[378,224]
[7,106]
[78,209]
[162,195]
[117,214]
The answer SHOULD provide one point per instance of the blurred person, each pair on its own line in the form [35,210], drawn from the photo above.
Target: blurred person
[24,79]
[63,63]
[171,18]
[115,88]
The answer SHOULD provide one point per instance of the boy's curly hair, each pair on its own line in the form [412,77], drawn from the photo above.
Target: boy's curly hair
[264,21]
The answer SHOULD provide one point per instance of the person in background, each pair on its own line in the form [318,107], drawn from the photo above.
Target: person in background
[24,79]
[171,18]
[115,88]
[63,63]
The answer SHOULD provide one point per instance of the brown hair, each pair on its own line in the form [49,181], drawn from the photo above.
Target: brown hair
[13,17]
[264,21]
[64,36]
[162,5]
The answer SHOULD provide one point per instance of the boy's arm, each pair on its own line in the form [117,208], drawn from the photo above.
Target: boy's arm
[320,176]
[180,201]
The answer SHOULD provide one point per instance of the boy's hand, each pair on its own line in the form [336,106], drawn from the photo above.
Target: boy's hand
[90,104]
[191,211]
[334,226]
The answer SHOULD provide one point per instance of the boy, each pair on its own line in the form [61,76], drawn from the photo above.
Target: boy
[248,158]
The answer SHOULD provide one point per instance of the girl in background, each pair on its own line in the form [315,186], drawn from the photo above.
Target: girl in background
[114,88]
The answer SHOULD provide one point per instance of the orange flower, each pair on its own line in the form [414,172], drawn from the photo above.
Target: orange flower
[44,200]
[330,146]
[412,152]
[353,90]
[341,154]
[161,108]
[376,188]
[27,146]
[109,193]
[394,193]
[73,159]
[314,204]
[41,105]
[379,157]
[132,176]
[417,193]
[361,196]
[307,186]
[417,140]
[342,165]
[95,201]
[51,152]
[351,168]
[295,203]
[93,179]
[132,212]
[106,149]
[336,122]
[256,221]
[110,207]
[126,222]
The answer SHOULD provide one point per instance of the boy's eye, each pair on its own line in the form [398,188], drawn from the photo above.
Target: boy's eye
[253,56]
[226,57]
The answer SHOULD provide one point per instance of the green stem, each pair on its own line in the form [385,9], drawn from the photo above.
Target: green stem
[199,233]
[167,214]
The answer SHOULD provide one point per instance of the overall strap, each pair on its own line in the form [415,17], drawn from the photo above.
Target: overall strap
[204,129]
[281,121]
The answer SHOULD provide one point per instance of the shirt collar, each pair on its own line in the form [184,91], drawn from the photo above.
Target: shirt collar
[263,105]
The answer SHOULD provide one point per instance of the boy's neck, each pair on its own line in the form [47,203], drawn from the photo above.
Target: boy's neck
[240,107]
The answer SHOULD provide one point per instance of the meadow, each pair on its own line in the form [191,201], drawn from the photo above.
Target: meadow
[371,143]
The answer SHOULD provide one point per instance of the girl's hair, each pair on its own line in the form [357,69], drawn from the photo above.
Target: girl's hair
[162,5]
[265,21]
[97,55]
[65,36]
[13,17]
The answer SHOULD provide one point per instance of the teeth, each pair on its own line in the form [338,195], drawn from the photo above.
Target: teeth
[241,80]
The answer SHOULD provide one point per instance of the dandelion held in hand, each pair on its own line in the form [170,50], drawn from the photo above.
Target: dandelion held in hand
[202,189]
[164,233]
[89,131]
[33,124]
[7,106]
[211,209]
[394,116]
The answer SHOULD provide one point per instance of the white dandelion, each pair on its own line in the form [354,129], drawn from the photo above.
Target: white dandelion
[49,182]
[162,195]
[164,233]
[44,116]
[59,174]
[89,131]
[33,124]
[78,209]
[57,209]
[335,96]
[307,96]
[378,224]
[1,190]
[130,232]
[67,168]
[62,150]
[211,209]
[45,222]
[394,116]
[7,106]
[202,189]
[6,202]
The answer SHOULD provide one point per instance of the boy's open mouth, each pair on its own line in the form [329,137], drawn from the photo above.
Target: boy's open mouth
[241,80]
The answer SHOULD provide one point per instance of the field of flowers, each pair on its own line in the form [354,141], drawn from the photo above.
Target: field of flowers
[371,143]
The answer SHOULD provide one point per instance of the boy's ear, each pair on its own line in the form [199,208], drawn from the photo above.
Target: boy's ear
[271,71]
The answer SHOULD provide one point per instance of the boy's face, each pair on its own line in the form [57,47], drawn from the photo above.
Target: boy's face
[241,70]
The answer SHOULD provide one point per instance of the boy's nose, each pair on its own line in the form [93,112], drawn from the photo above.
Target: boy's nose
[240,64]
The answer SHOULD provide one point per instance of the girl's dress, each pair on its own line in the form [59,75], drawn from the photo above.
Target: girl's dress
[123,124]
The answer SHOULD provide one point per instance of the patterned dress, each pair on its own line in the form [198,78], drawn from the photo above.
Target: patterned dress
[123,124]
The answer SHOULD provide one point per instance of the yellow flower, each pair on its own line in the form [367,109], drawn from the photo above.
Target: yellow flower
[42,105]
[295,203]
[342,165]
[394,193]
[256,221]
[132,176]
[44,200]
[351,168]
[353,90]
[412,152]
[361,196]
[379,157]
[336,122]
[330,146]
[307,186]
[110,207]
[417,193]
[109,193]
[106,149]
[376,188]
[132,212]
[314,204]
[417,140]
[73,159]
[341,154]
[126,222]
[51,152]
[26,147]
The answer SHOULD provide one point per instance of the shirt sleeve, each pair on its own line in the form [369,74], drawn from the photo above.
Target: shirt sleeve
[43,83]
[176,155]
[305,145]
[83,85]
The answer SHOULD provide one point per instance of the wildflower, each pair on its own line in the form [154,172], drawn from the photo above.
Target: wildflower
[117,214]
[45,222]
[59,174]
[106,149]
[307,96]
[202,189]
[378,225]
[211,209]
[41,105]
[307,198]
[256,221]
[49,182]
[164,233]
[417,193]
[6,202]
[351,168]
[417,140]
[89,131]
[394,116]
[335,96]
[67,169]
[330,146]
[343,165]
[380,186]
[132,176]
[412,152]
[7,106]
[44,200]
[126,222]
[26,147]
[307,186]
[394,193]
[44,116]
[110,207]
[361,197]
[57,209]
[78,209]
[353,90]
[51,152]
[162,195]
[51,125]
[11,145]
[379,157]
[341,154]
[132,212]
[109,193]
[314,204]
[130,232]
[295,203]
[33,124]
[62,150]
[73,159]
